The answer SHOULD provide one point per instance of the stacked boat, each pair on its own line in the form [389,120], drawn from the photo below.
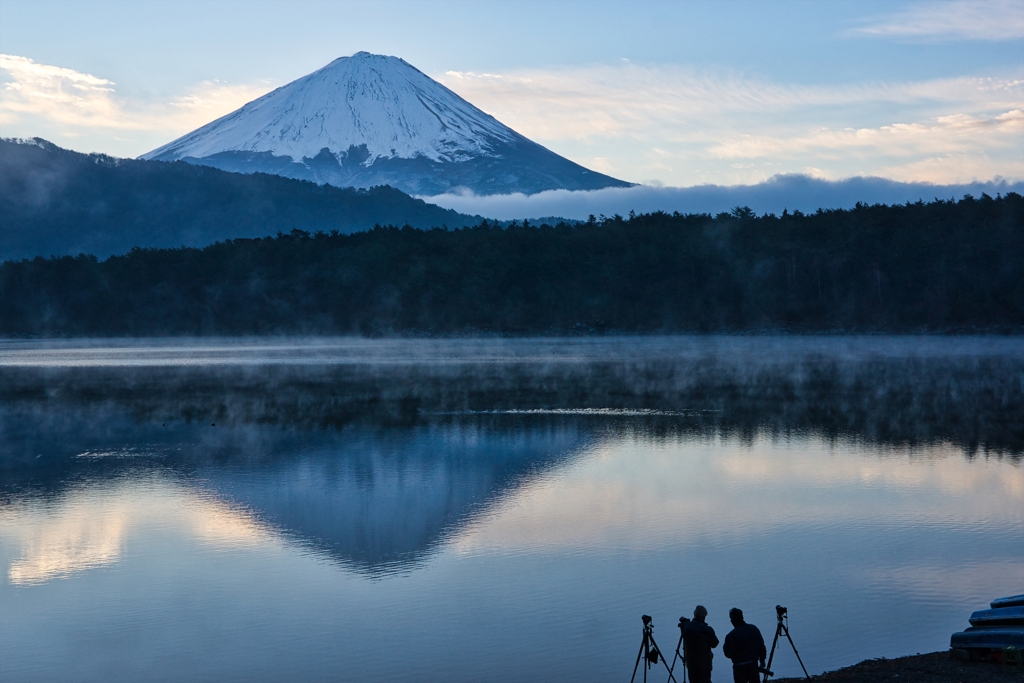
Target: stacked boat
[993,630]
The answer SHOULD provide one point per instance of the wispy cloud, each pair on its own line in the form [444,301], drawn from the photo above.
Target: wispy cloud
[686,126]
[628,100]
[957,20]
[954,134]
[667,124]
[42,96]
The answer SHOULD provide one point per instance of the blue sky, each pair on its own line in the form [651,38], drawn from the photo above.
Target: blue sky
[672,93]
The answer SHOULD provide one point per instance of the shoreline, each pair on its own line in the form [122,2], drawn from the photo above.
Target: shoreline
[922,668]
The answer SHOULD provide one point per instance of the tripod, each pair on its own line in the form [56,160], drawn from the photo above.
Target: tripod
[680,649]
[650,652]
[783,628]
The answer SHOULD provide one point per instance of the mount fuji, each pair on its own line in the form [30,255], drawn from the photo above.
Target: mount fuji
[369,120]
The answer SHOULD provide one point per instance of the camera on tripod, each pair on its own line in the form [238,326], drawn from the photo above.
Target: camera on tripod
[650,653]
[781,614]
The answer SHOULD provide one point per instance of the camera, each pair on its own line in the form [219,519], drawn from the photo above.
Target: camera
[646,620]
[780,610]
[683,621]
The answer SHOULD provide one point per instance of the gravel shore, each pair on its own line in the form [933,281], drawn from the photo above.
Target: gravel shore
[929,668]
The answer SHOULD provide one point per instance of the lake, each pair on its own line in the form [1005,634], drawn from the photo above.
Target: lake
[494,509]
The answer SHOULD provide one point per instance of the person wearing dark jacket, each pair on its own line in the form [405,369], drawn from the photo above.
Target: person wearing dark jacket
[745,647]
[699,639]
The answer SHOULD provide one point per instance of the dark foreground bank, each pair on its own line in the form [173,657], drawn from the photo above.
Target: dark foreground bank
[930,668]
[946,266]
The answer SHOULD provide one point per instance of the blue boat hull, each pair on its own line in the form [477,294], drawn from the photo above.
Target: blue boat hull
[995,638]
[1002,616]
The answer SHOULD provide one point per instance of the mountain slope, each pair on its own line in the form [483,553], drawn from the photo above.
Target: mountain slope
[54,202]
[369,120]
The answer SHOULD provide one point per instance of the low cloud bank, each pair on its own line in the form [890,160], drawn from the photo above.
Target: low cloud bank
[793,192]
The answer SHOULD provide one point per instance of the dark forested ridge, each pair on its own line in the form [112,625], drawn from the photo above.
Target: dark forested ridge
[54,201]
[939,267]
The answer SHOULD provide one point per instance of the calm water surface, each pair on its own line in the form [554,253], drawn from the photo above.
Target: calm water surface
[496,511]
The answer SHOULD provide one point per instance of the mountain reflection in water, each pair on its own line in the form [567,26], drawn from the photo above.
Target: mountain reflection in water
[536,481]
[381,501]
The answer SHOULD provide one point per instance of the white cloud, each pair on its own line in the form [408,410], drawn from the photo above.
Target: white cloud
[39,98]
[961,19]
[806,192]
[686,127]
[68,96]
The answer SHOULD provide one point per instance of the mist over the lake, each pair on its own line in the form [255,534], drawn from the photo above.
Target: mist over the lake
[465,482]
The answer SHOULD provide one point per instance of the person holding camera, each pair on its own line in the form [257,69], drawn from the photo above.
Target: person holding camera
[745,647]
[699,639]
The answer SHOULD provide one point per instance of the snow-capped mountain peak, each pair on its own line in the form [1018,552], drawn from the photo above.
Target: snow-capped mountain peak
[372,112]
[373,100]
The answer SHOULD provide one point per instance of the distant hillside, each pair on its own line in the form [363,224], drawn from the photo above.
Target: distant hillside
[947,266]
[54,202]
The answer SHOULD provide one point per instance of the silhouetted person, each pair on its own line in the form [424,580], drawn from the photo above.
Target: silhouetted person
[699,639]
[745,647]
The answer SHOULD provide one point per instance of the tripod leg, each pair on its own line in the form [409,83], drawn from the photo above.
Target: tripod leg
[797,653]
[638,656]
[681,656]
[647,661]
[647,654]
[662,658]
[771,655]
[676,655]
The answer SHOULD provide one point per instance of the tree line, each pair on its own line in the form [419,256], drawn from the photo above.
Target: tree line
[942,266]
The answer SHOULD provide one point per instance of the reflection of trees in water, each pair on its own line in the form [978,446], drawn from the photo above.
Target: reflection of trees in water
[973,402]
[375,464]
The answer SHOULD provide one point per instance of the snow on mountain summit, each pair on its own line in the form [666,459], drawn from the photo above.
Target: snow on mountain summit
[369,120]
[382,102]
